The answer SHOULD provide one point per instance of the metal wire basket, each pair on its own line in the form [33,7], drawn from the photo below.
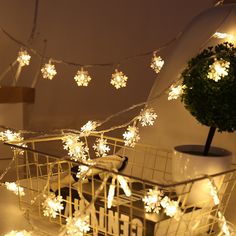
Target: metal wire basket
[148,172]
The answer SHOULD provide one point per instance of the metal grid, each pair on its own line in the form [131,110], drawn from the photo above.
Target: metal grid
[147,168]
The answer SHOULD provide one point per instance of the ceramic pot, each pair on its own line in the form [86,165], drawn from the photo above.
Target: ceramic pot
[189,163]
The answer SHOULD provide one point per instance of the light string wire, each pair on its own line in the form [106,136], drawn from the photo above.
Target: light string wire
[77,64]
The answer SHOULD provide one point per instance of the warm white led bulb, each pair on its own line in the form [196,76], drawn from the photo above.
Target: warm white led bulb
[157,63]
[23,58]
[119,79]
[218,70]
[15,188]
[78,225]
[52,205]
[101,147]
[48,71]
[175,91]
[82,78]
[147,116]
[131,136]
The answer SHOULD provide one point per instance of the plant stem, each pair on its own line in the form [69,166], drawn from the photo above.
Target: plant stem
[209,140]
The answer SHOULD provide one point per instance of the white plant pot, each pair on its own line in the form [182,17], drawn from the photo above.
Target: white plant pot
[189,163]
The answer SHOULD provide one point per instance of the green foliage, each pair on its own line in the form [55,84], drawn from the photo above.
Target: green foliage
[211,103]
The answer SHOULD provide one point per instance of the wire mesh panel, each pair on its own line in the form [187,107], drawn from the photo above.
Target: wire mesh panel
[141,200]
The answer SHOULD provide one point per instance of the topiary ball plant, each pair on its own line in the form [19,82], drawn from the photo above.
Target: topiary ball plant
[209,89]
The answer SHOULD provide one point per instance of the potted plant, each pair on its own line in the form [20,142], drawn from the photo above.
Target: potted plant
[209,94]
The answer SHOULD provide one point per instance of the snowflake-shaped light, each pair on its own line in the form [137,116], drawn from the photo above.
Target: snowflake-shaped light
[82,170]
[23,58]
[15,188]
[18,233]
[157,63]
[175,91]
[131,136]
[48,71]
[152,200]
[52,205]
[147,116]
[119,79]
[76,148]
[171,208]
[9,136]
[82,78]
[89,127]
[101,147]
[218,70]
[78,225]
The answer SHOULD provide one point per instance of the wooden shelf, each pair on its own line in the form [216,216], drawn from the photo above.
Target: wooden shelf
[17,95]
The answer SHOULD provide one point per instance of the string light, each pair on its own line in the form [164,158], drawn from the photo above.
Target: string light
[15,188]
[119,79]
[124,185]
[78,225]
[157,63]
[218,70]
[171,208]
[82,170]
[52,205]
[76,148]
[82,78]
[101,147]
[147,116]
[23,58]
[10,136]
[131,136]
[228,37]
[18,233]
[89,127]
[48,71]
[152,200]
[175,91]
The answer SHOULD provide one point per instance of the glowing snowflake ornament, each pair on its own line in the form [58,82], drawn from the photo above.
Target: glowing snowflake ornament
[77,149]
[18,233]
[10,136]
[52,205]
[48,71]
[101,147]
[82,78]
[78,225]
[89,127]
[152,200]
[171,208]
[119,79]
[175,91]
[131,136]
[157,63]
[218,70]
[23,58]
[15,188]
[82,170]
[147,116]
